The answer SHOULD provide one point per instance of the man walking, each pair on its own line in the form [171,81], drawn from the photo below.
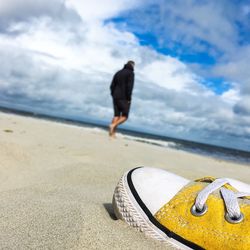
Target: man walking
[121,91]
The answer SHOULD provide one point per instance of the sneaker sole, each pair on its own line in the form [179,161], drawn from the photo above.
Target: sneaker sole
[129,207]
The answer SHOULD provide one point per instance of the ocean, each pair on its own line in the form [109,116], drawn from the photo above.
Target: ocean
[220,153]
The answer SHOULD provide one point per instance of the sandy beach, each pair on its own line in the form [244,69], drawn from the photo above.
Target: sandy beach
[57,182]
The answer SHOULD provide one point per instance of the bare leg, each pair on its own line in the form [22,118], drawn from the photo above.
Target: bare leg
[112,125]
[119,121]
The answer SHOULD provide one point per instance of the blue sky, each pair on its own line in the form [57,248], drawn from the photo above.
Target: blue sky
[192,63]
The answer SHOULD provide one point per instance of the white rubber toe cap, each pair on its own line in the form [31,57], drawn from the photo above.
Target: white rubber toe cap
[156,186]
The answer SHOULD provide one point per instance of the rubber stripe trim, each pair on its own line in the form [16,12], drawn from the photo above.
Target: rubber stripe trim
[169,233]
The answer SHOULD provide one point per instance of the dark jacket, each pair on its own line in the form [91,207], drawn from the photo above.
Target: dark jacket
[123,83]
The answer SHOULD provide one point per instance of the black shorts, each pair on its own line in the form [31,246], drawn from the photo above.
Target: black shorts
[121,107]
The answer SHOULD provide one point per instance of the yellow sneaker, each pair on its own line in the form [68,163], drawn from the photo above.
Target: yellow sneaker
[208,213]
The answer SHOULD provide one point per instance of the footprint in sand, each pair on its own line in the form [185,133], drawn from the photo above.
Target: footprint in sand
[8,130]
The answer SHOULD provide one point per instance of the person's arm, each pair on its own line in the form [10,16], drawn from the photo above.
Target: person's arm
[130,85]
[112,86]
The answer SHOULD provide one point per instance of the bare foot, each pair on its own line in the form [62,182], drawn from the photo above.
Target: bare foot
[112,130]
[113,136]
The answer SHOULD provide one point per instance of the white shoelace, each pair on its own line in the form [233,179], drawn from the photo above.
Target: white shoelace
[229,197]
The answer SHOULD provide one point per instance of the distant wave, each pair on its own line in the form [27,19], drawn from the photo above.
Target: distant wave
[152,141]
[196,148]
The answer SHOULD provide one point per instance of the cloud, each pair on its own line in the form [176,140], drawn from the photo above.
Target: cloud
[170,73]
[189,23]
[243,107]
[94,10]
[22,11]
[63,62]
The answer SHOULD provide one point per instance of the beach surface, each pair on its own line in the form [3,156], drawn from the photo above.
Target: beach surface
[57,182]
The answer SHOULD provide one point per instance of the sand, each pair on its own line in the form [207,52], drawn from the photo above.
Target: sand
[57,182]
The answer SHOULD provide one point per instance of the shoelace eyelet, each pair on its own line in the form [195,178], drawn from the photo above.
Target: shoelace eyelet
[234,220]
[197,212]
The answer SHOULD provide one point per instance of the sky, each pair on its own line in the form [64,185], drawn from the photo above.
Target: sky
[192,76]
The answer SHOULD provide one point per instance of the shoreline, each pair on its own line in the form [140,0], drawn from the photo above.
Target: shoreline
[207,150]
[57,182]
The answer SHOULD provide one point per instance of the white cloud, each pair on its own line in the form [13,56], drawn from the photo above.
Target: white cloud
[189,22]
[231,96]
[17,11]
[170,73]
[94,10]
